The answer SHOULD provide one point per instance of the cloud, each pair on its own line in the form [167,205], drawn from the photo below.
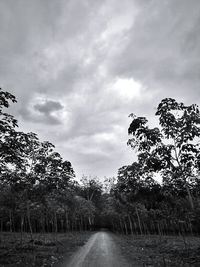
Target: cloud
[48,106]
[48,110]
[45,112]
[79,68]
[163,47]
[127,88]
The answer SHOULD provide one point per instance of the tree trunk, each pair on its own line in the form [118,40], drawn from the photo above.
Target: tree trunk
[121,225]
[10,220]
[159,231]
[139,222]
[56,226]
[190,227]
[29,220]
[67,221]
[190,197]
[55,222]
[125,225]
[22,225]
[130,224]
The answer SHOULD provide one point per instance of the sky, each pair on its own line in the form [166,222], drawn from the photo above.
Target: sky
[79,68]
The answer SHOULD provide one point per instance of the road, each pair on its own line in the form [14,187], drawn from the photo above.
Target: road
[101,250]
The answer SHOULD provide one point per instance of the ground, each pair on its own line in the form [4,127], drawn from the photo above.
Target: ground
[44,251]
[156,251]
[99,249]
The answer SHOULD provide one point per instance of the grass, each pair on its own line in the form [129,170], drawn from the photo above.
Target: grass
[156,251]
[48,249]
[45,250]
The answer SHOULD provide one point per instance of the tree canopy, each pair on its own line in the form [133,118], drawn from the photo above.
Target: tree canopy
[39,192]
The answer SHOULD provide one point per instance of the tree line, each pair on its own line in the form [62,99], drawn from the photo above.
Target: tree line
[39,192]
[139,204]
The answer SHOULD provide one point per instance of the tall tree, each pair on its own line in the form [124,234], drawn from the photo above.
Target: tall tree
[172,148]
[7,131]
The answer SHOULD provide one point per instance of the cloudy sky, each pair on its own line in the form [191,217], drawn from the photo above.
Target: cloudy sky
[79,68]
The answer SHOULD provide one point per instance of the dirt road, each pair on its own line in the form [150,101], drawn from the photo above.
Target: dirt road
[100,251]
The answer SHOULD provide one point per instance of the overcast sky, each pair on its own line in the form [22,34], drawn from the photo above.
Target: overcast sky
[79,67]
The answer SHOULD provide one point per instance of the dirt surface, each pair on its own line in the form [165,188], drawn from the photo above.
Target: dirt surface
[45,250]
[101,250]
[98,249]
[105,249]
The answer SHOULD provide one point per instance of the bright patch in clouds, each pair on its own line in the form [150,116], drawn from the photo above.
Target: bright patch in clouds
[117,25]
[106,137]
[127,88]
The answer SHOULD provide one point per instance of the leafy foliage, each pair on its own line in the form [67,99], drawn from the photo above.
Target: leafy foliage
[138,204]
[38,190]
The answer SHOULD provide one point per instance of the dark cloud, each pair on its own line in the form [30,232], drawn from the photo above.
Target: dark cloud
[45,113]
[48,106]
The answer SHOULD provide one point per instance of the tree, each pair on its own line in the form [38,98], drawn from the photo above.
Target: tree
[91,189]
[7,131]
[173,148]
[31,172]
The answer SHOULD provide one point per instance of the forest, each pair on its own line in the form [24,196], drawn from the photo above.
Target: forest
[39,192]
